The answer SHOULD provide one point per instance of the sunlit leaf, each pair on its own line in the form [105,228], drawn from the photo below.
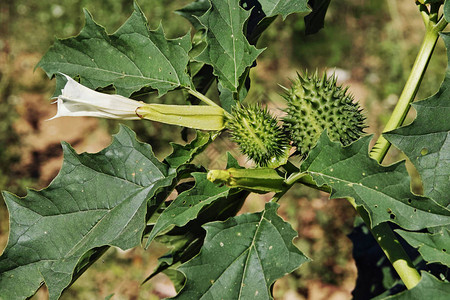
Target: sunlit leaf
[228,50]
[426,141]
[96,200]
[434,247]
[384,192]
[188,204]
[429,287]
[131,58]
[242,257]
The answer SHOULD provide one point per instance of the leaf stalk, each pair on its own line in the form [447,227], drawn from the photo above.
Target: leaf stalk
[202,97]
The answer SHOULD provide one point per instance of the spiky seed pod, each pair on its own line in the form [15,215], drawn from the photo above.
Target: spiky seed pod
[317,103]
[258,135]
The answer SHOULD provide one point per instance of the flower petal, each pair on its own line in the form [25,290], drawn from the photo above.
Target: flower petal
[77,100]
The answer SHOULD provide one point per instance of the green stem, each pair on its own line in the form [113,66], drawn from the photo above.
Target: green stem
[207,100]
[409,91]
[202,97]
[383,233]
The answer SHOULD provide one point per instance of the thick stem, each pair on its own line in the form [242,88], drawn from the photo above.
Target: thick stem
[409,91]
[383,233]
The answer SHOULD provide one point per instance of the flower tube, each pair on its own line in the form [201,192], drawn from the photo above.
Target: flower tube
[77,100]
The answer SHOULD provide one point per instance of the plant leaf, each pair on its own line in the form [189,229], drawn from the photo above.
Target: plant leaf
[384,192]
[447,10]
[434,247]
[183,154]
[426,141]
[429,287]
[131,58]
[283,7]
[242,257]
[188,204]
[193,10]
[96,199]
[185,242]
[228,50]
[315,20]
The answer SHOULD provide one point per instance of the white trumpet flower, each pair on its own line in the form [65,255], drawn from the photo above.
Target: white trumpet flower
[77,100]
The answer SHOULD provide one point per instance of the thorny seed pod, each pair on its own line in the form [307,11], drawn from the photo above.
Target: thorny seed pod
[318,103]
[258,135]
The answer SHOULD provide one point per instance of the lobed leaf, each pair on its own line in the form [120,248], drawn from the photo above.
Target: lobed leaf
[429,287]
[188,204]
[96,200]
[242,257]
[283,7]
[228,50]
[131,58]
[434,247]
[193,11]
[183,154]
[426,141]
[384,192]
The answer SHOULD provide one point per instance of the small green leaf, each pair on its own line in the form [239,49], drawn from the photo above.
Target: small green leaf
[242,257]
[429,287]
[193,11]
[426,141]
[228,50]
[434,247]
[384,192]
[185,154]
[131,58]
[284,7]
[188,204]
[182,248]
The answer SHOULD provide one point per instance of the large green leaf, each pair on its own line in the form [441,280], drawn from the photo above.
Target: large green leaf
[242,257]
[426,141]
[96,200]
[429,287]
[228,50]
[188,204]
[132,58]
[434,247]
[383,191]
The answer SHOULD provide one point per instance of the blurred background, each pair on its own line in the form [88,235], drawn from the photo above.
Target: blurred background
[371,45]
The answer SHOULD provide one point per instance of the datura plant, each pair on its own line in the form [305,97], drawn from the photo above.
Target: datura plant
[117,197]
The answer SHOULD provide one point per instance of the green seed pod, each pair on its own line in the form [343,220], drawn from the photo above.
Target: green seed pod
[316,104]
[258,135]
